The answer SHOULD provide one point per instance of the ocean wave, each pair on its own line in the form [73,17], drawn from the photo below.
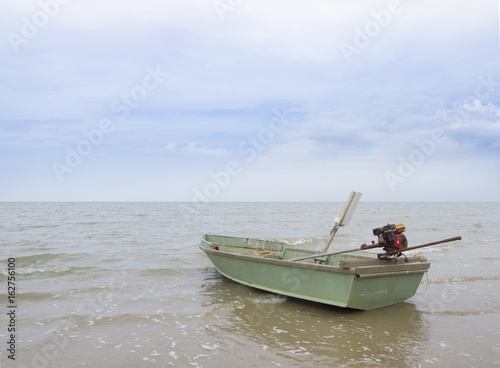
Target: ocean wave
[76,319]
[492,240]
[40,226]
[297,241]
[495,259]
[35,296]
[87,223]
[464,279]
[300,241]
[60,257]
[49,271]
[432,249]
[158,272]
[465,313]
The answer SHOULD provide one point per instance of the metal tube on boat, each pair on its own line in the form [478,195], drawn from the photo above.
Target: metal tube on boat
[319,255]
[421,246]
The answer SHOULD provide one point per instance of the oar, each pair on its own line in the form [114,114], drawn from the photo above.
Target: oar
[343,219]
[378,245]
[419,246]
[339,252]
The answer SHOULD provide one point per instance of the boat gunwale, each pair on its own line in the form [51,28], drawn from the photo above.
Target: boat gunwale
[357,271]
[279,262]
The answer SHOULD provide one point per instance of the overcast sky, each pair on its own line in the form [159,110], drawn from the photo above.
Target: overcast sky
[240,100]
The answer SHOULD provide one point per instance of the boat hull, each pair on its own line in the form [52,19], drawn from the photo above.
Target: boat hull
[348,281]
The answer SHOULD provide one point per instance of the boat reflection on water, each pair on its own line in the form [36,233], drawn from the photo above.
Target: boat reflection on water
[249,322]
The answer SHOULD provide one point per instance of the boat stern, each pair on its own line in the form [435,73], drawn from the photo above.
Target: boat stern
[384,283]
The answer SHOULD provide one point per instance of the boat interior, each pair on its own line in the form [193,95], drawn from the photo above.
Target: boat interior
[277,250]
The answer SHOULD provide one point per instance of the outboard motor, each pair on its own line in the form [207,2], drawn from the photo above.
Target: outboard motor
[391,237]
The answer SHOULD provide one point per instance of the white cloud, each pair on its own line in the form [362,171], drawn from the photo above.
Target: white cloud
[227,76]
[194,149]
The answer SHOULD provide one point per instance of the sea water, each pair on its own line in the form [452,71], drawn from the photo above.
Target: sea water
[125,285]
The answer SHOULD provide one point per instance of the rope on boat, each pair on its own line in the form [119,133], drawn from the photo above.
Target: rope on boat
[426,284]
[263,251]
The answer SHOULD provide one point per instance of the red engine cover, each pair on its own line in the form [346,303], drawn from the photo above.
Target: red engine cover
[401,241]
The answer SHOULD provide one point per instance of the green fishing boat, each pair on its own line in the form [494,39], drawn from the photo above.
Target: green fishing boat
[344,280]
[353,278]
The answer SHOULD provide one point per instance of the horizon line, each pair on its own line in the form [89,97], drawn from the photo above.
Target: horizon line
[213,202]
